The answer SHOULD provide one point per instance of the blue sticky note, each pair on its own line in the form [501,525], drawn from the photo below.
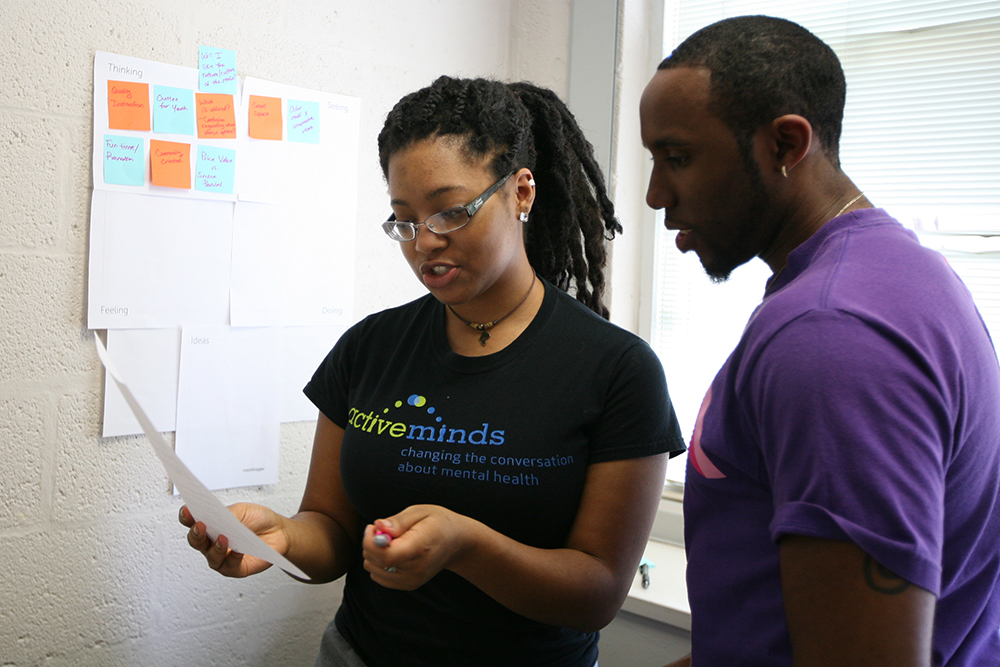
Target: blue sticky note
[303,122]
[215,170]
[216,70]
[124,160]
[173,110]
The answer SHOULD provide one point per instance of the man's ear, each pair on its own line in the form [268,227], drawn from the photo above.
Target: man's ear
[790,140]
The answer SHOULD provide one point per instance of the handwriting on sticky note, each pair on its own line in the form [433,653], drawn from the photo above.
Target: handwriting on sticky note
[216,116]
[264,114]
[170,164]
[128,106]
[124,160]
[173,110]
[303,121]
[215,170]
[217,70]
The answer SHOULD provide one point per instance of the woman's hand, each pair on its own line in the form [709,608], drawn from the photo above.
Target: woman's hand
[266,523]
[425,539]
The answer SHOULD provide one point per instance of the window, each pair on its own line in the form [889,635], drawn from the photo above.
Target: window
[921,138]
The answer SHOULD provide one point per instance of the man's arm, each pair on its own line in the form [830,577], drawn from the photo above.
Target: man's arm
[844,608]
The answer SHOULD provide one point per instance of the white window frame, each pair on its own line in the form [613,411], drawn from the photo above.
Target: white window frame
[967,233]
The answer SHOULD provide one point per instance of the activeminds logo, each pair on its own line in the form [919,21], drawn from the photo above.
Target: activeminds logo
[401,421]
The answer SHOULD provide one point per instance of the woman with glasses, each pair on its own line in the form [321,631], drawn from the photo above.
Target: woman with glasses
[488,458]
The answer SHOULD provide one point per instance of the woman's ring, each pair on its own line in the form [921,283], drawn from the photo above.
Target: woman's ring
[391,569]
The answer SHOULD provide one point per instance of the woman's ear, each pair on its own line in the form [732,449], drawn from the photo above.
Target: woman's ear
[524,184]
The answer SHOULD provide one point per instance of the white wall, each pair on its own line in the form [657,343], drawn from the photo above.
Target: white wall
[94,569]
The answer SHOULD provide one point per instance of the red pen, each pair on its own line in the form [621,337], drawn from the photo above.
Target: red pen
[382,539]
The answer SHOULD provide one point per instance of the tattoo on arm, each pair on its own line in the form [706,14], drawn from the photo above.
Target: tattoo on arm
[880,579]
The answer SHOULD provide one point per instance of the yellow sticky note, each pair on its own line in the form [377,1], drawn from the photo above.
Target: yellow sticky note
[170,164]
[265,117]
[216,116]
[128,105]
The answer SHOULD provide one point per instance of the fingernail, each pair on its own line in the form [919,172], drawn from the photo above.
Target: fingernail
[196,532]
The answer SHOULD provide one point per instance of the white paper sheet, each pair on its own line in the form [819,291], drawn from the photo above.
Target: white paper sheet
[115,67]
[228,404]
[151,357]
[204,506]
[158,262]
[303,349]
[287,171]
[293,265]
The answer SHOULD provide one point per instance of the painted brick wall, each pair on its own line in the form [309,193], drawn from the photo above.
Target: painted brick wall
[94,569]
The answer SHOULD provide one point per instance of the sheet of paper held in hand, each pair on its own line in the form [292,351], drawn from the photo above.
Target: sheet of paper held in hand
[204,506]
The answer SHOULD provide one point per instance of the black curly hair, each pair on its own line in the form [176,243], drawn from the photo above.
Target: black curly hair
[515,125]
[763,67]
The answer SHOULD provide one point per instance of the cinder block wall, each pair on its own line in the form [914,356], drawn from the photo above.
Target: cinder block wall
[94,569]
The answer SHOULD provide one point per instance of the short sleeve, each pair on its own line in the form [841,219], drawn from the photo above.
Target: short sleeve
[638,419]
[328,387]
[853,428]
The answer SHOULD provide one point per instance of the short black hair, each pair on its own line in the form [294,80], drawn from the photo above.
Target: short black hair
[763,67]
[515,125]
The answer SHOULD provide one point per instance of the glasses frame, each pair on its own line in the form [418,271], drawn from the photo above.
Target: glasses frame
[391,226]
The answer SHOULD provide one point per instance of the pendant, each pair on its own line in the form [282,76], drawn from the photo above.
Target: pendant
[485,336]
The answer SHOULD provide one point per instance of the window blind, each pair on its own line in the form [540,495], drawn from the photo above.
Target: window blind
[921,138]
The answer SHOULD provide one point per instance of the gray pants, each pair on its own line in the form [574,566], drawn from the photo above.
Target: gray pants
[334,651]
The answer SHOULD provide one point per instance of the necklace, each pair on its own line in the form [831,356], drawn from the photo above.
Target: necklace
[484,329]
[848,204]
[839,213]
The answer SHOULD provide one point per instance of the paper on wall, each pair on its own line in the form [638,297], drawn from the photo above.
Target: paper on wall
[204,506]
[165,99]
[302,350]
[292,265]
[158,262]
[151,357]
[291,168]
[228,405]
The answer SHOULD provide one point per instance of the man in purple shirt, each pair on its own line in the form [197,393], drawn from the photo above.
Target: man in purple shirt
[842,504]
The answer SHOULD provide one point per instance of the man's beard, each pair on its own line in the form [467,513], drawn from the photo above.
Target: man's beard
[727,259]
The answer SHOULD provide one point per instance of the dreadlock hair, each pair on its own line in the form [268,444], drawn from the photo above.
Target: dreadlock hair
[762,68]
[519,125]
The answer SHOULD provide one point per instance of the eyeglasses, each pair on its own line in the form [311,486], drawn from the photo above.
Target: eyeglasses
[440,223]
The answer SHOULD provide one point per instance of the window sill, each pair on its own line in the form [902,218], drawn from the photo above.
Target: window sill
[666,598]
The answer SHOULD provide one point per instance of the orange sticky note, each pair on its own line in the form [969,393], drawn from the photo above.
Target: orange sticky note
[128,105]
[216,116]
[170,164]
[265,117]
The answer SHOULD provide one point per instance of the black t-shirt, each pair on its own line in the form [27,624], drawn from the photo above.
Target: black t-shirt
[505,439]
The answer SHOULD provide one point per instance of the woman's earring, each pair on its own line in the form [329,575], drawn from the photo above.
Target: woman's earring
[531,182]
[523,217]
[784,172]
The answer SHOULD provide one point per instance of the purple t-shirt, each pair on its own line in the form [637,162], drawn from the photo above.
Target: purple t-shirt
[862,404]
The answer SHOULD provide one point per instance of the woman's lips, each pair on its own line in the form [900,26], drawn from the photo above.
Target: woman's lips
[437,276]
